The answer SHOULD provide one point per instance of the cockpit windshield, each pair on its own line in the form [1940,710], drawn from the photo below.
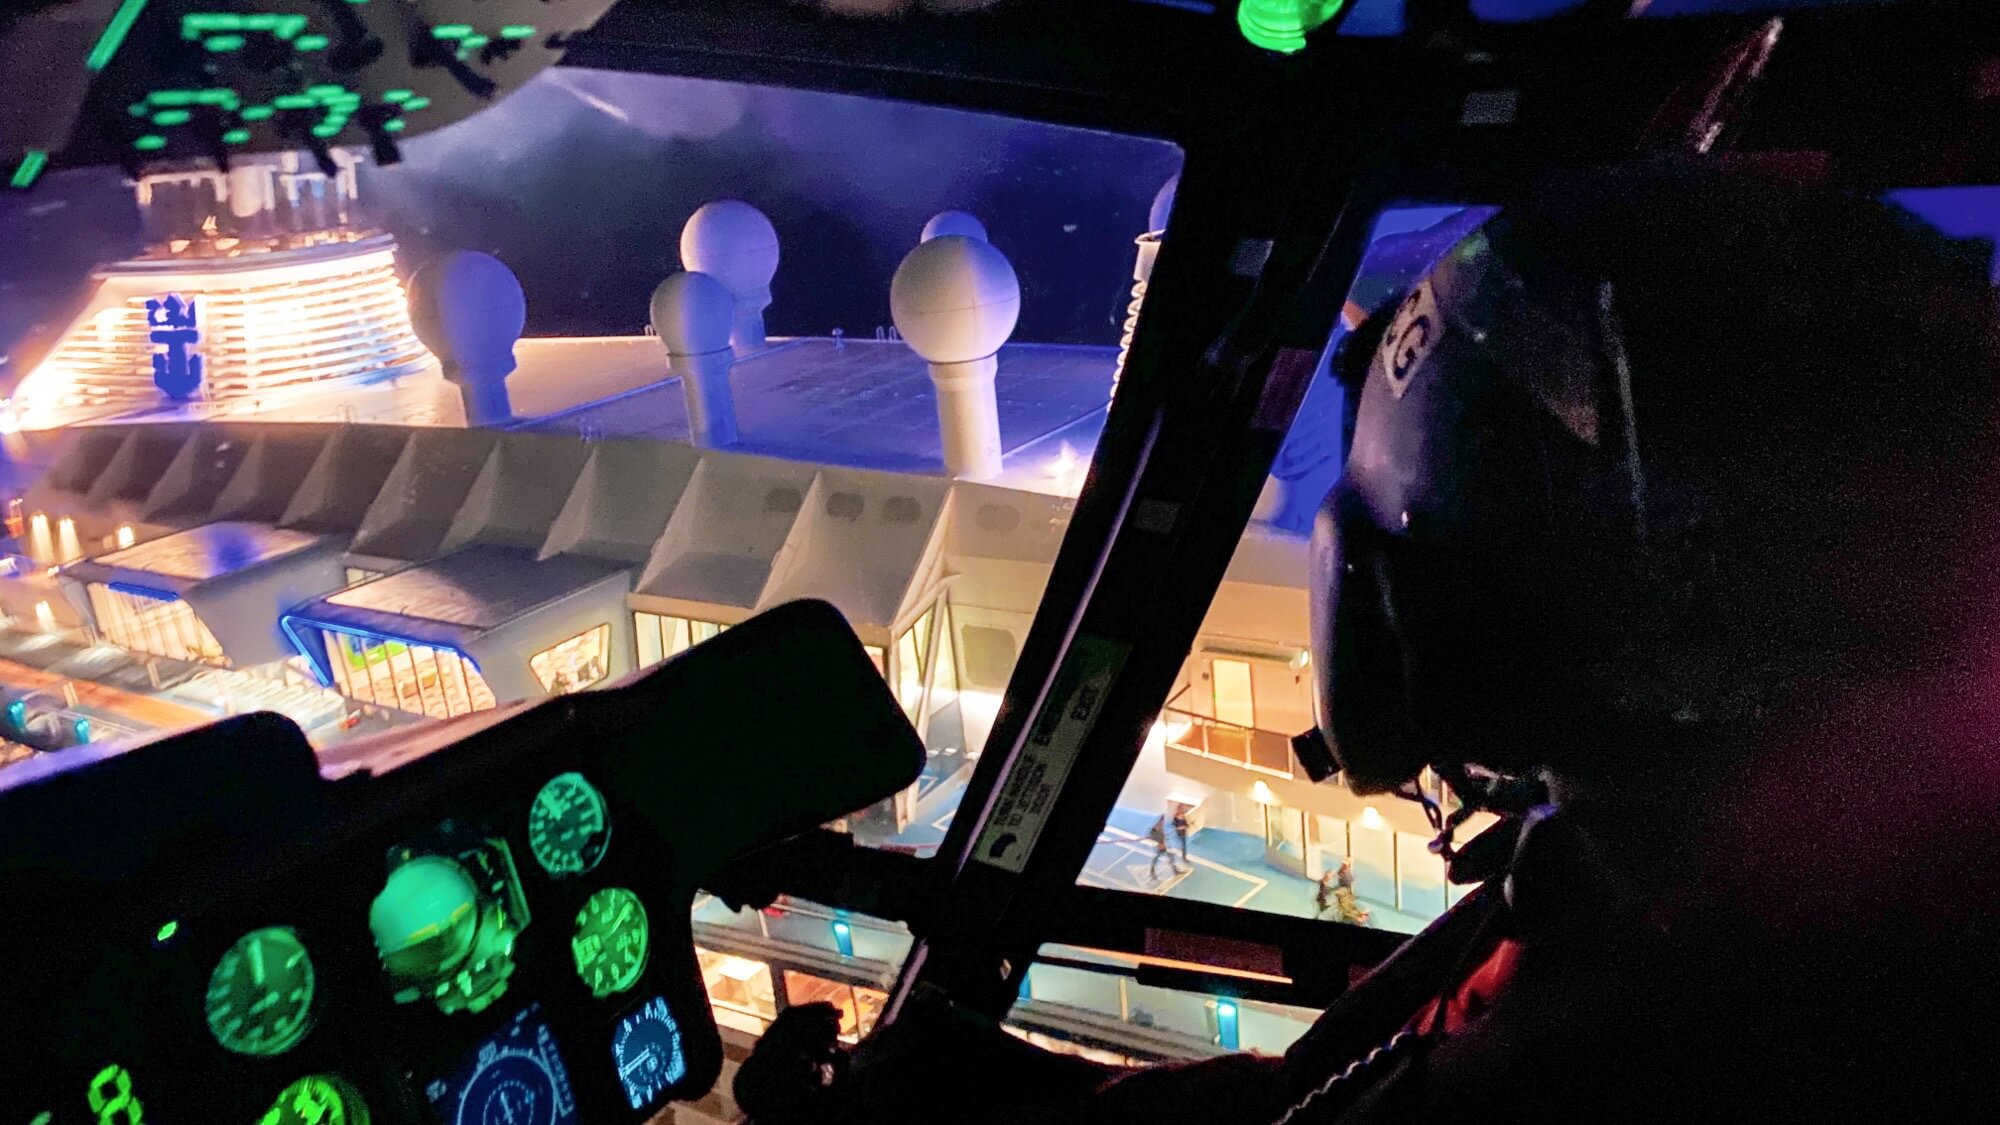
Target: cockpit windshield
[579,383]
[378,436]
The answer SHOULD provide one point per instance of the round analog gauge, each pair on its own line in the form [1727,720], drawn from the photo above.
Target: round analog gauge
[261,993]
[317,1099]
[568,826]
[514,1089]
[647,1049]
[610,942]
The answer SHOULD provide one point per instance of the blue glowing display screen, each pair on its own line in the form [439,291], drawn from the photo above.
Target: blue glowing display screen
[647,1049]
[514,1078]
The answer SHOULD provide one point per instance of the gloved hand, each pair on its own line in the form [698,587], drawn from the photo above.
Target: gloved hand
[788,1079]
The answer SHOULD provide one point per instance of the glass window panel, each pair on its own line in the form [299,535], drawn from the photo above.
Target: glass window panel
[944,682]
[482,696]
[458,698]
[336,661]
[403,674]
[1061,361]
[922,632]
[575,663]
[738,986]
[646,635]
[361,669]
[189,633]
[909,673]
[429,688]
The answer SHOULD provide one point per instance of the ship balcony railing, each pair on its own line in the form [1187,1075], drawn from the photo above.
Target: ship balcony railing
[1262,751]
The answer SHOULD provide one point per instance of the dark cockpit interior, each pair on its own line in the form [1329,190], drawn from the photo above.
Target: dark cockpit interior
[580,900]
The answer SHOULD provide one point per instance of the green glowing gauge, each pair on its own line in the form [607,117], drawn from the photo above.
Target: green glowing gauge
[610,942]
[447,918]
[260,995]
[568,826]
[425,918]
[317,1099]
[1282,25]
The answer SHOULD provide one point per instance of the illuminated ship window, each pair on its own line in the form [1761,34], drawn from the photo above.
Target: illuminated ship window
[418,678]
[574,664]
[740,990]
[156,623]
[661,636]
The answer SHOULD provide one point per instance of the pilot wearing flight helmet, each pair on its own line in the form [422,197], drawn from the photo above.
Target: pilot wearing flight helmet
[1671,526]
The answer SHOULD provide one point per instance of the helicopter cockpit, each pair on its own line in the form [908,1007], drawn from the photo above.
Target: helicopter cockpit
[460,665]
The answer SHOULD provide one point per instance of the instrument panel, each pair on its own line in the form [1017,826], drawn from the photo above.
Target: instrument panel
[178,79]
[495,933]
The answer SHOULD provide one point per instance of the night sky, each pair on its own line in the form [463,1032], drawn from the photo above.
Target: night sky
[581,180]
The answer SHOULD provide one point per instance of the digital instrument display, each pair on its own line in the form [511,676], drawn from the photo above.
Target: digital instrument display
[317,1099]
[647,1049]
[514,1078]
[611,941]
[260,995]
[569,828]
[112,1100]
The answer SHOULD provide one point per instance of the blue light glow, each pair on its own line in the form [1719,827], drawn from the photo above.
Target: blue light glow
[322,666]
[843,938]
[146,592]
[1226,1026]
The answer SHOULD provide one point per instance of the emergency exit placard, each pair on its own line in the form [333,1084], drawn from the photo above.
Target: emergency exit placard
[1029,792]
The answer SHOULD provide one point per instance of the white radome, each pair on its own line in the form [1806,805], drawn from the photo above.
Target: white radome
[954,222]
[734,243]
[955,299]
[693,312]
[468,309]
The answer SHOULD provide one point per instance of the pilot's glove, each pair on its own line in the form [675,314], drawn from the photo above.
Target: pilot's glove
[788,1078]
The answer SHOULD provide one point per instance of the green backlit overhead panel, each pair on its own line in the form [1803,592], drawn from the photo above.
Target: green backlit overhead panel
[261,50]
[447,918]
[611,941]
[1282,25]
[317,1099]
[260,996]
[568,826]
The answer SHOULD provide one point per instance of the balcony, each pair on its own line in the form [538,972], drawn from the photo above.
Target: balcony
[1264,751]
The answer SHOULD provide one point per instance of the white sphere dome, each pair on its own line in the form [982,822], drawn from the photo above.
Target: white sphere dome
[1163,204]
[693,313]
[468,309]
[955,299]
[734,243]
[954,222]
